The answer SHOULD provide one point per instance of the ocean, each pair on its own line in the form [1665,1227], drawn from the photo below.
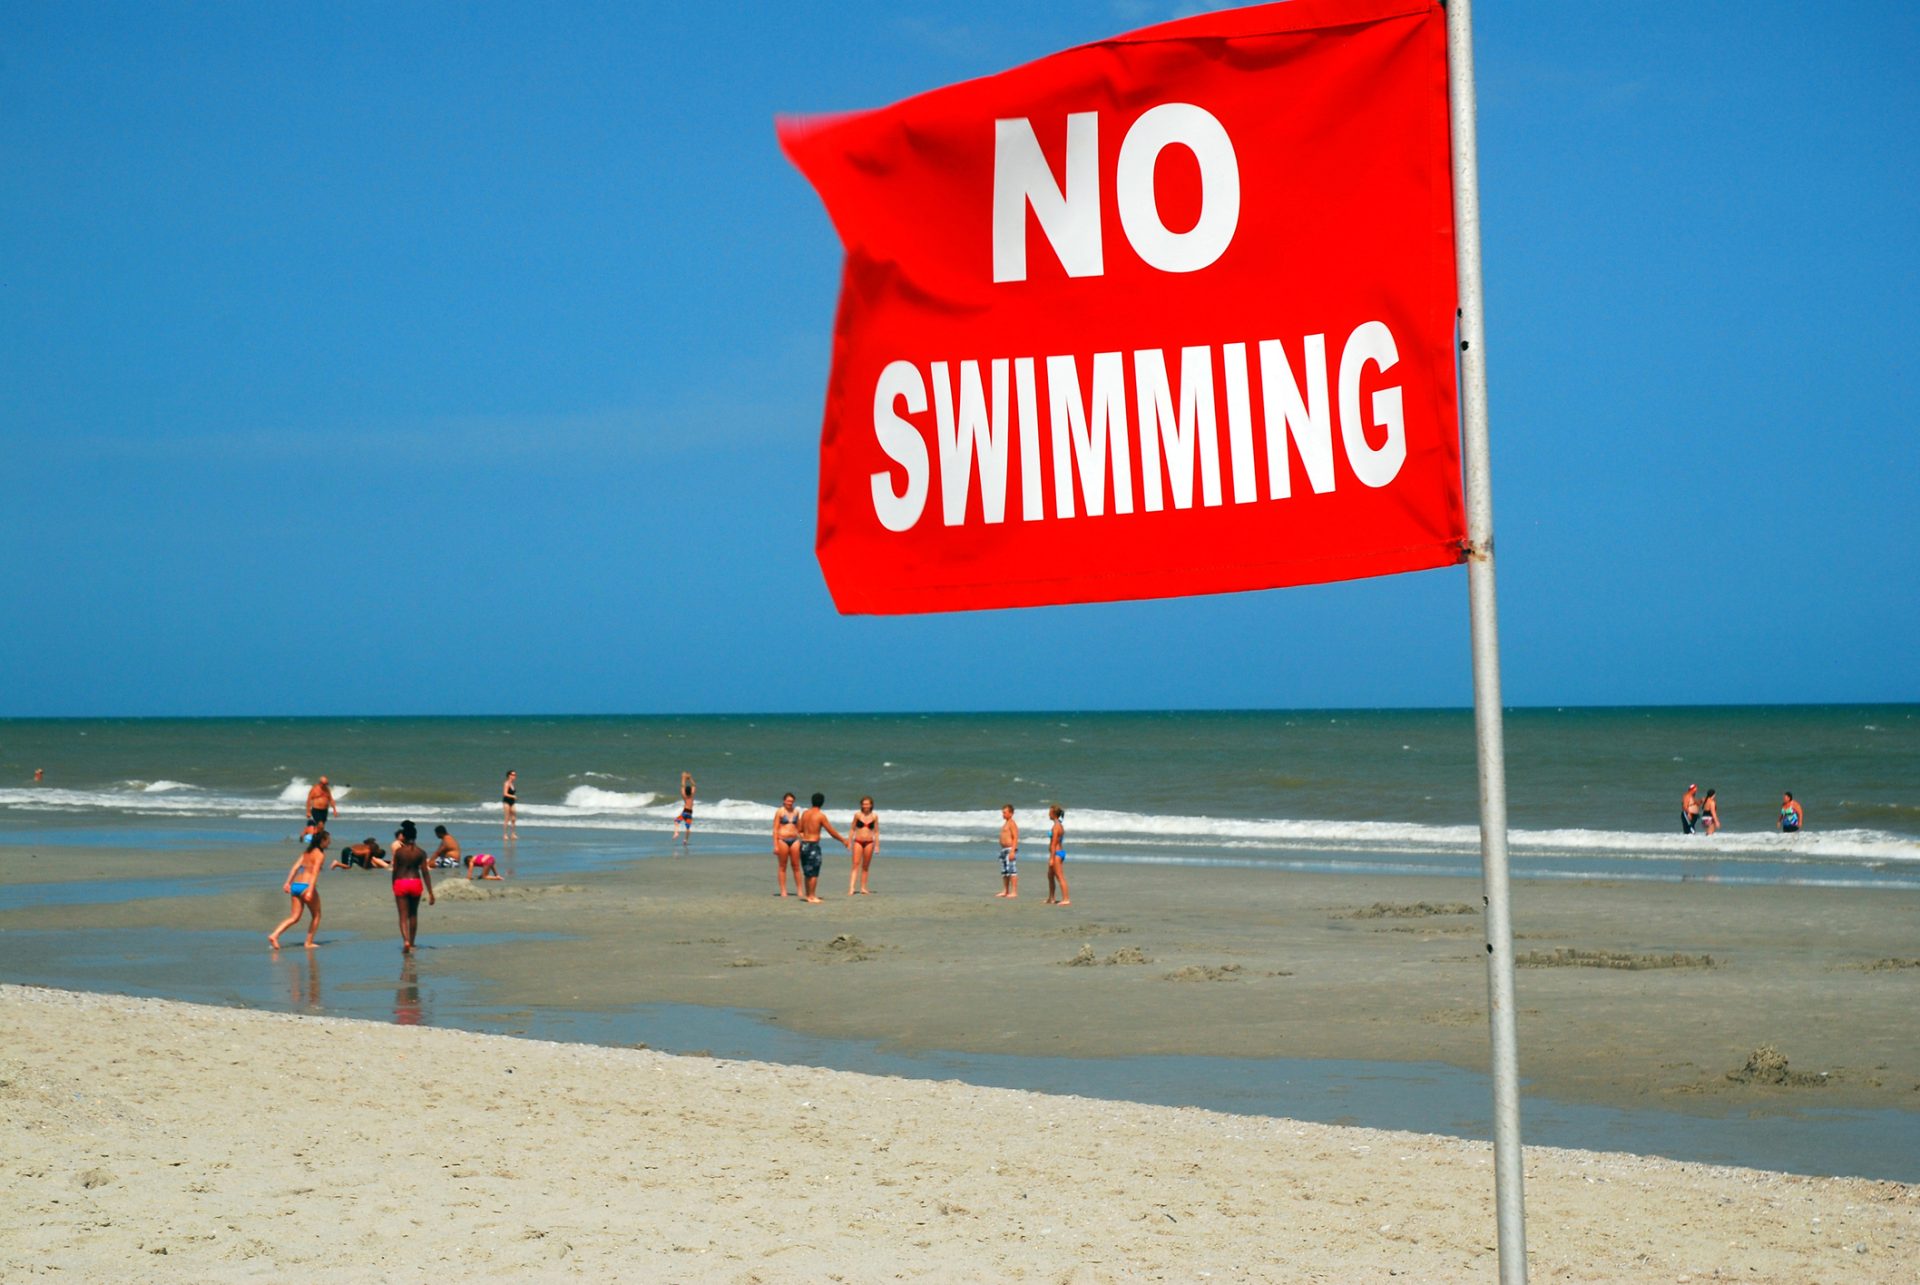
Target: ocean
[1594,792]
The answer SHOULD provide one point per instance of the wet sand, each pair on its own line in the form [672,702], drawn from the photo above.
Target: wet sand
[1634,995]
[144,1139]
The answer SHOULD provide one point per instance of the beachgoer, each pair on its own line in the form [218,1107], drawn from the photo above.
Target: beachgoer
[39,775]
[1792,815]
[1009,853]
[786,844]
[1689,809]
[812,822]
[1709,814]
[411,877]
[683,824]
[864,833]
[1057,858]
[320,803]
[364,855]
[447,855]
[303,885]
[510,806]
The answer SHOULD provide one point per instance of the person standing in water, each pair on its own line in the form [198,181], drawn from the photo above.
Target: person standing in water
[1057,858]
[864,833]
[510,806]
[320,802]
[411,877]
[812,822]
[786,844]
[303,885]
[1792,815]
[1009,853]
[1709,815]
[1689,809]
[683,824]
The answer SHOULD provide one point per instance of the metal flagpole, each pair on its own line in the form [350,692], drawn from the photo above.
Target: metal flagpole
[1507,1167]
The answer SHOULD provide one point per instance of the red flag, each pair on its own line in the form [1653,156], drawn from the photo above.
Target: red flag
[1171,313]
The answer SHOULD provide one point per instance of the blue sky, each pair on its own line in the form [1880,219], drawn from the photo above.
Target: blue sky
[469,359]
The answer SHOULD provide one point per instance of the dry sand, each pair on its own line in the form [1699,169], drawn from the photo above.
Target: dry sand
[149,1140]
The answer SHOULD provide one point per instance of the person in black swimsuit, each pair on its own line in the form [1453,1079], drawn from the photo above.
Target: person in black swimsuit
[509,806]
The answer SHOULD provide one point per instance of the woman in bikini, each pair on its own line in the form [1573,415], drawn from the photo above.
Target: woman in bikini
[786,845]
[411,877]
[303,885]
[510,806]
[863,840]
[1057,858]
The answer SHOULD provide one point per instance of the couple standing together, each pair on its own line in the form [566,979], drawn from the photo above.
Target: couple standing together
[796,845]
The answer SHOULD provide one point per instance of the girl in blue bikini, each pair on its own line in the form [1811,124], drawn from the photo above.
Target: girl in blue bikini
[1057,858]
[303,885]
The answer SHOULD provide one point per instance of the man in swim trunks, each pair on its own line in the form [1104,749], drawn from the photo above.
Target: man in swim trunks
[812,821]
[1689,809]
[1792,815]
[364,855]
[320,803]
[1009,853]
[447,855]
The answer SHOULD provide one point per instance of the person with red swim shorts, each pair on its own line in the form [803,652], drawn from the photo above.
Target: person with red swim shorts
[411,877]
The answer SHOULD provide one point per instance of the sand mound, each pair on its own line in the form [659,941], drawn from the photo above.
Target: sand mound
[1409,910]
[1207,973]
[1125,955]
[1768,1065]
[498,889]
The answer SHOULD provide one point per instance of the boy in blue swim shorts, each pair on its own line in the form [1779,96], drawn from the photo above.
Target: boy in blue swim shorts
[1009,853]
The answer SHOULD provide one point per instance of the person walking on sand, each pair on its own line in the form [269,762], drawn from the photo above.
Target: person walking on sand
[411,877]
[320,802]
[812,822]
[1689,809]
[786,844]
[510,806]
[303,885]
[864,830]
[683,824]
[1792,815]
[1009,853]
[1057,858]
[1709,815]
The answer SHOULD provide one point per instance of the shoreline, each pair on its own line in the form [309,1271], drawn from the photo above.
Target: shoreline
[160,1134]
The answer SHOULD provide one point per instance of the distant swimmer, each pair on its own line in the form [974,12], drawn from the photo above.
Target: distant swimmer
[812,822]
[786,845]
[1792,815]
[1057,858]
[510,806]
[864,832]
[411,877]
[39,775]
[683,824]
[320,803]
[365,855]
[1709,814]
[303,885]
[1009,853]
[1689,809]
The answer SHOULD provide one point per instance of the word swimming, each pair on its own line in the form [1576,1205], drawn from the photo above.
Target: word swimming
[987,416]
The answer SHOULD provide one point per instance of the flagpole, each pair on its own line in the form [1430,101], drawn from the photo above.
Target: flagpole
[1507,1164]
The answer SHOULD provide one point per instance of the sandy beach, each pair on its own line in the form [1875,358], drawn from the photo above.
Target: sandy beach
[159,1141]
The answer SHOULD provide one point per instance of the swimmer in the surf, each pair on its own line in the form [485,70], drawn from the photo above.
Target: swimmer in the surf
[411,877]
[303,885]
[1792,815]
[1057,858]
[1709,815]
[683,823]
[863,832]
[510,806]
[1689,809]
[786,845]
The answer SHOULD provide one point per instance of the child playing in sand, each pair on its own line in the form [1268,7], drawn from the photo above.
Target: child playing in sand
[1009,853]
[1057,858]
[303,885]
